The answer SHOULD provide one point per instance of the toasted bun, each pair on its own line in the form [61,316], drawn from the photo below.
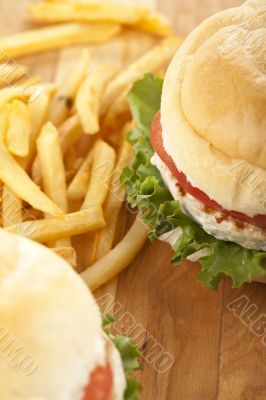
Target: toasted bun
[213,108]
[48,313]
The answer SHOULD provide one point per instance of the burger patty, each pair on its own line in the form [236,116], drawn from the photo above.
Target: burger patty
[215,223]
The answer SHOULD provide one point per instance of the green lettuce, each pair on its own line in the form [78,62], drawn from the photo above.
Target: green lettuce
[130,356]
[147,191]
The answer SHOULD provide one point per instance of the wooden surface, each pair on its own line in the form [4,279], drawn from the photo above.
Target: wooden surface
[216,355]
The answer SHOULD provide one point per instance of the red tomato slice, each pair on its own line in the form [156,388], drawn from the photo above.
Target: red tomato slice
[157,144]
[100,385]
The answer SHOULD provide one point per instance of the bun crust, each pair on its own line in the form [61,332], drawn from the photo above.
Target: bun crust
[213,108]
[47,309]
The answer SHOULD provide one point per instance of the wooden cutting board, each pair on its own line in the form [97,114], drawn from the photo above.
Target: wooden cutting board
[199,345]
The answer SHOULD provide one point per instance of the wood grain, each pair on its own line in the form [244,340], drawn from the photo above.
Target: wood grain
[216,355]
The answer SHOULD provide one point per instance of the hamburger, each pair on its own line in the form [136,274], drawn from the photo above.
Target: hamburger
[199,176]
[52,344]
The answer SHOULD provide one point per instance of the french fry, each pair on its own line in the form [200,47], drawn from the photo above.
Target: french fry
[11,208]
[69,133]
[28,85]
[52,166]
[85,144]
[38,108]
[151,61]
[70,158]
[87,11]
[16,179]
[99,184]
[117,259]
[89,97]
[121,229]
[155,23]
[4,116]
[48,87]
[36,172]
[63,100]
[19,129]
[68,254]
[11,72]
[53,171]
[121,225]
[140,18]
[46,230]
[73,169]
[117,115]
[101,174]
[104,239]
[79,185]
[12,93]
[72,163]
[58,36]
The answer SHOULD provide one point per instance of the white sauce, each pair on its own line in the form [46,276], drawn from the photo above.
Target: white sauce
[250,237]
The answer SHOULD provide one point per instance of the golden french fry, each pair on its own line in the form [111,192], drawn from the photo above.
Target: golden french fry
[29,85]
[70,158]
[12,93]
[11,72]
[69,132]
[63,100]
[4,116]
[117,259]
[89,97]
[38,108]
[104,239]
[11,208]
[72,170]
[151,61]
[121,225]
[53,171]
[155,23]
[16,179]
[59,228]
[79,185]
[72,164]
[117,114]
[71,161]
[19,129]
[99,183]
[87,11]
[36,172]
[68,254]
[101,175]
[49,88]
[58,36]
[52,166]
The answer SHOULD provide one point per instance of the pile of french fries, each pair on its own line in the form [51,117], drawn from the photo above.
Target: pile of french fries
[63,146]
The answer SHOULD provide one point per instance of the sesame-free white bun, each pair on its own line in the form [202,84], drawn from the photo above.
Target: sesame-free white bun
[53,323]
[213,108]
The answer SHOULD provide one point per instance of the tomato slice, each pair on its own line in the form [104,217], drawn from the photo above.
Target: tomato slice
[157,144]
[100,385]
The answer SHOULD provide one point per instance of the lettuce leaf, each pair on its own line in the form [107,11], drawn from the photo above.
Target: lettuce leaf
[130,356]
[147,191]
